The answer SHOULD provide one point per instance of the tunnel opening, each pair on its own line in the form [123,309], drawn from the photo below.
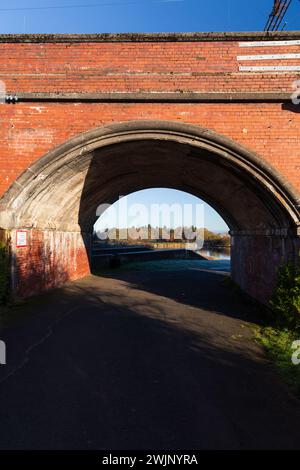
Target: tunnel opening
[55,201]
[159,225]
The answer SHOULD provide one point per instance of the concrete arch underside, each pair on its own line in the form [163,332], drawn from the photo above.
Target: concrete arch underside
[57,197]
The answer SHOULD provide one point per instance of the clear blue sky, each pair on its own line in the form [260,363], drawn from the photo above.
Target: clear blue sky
[30,16]
[140,16]
[207,217]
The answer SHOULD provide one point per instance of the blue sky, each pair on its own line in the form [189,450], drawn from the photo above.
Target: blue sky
[33,16]
[205,216]
[139,16]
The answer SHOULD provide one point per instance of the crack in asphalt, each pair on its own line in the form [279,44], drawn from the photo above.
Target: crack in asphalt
[50,331]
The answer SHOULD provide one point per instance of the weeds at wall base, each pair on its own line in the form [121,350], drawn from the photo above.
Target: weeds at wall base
[278,335]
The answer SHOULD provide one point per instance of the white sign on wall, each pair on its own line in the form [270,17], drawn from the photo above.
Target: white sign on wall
[22,238]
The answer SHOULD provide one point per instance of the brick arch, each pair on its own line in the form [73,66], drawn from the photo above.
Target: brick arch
[56,198]
[279,195]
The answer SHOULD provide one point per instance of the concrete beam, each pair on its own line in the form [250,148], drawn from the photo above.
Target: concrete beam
[152,97]
[151,37]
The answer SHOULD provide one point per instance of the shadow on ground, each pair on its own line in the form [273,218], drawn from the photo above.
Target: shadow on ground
[202,284]
[128,362]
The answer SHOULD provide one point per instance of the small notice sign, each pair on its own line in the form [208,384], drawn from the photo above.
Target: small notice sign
[22,238]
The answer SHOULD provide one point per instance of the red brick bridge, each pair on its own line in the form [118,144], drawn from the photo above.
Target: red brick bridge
[86,118]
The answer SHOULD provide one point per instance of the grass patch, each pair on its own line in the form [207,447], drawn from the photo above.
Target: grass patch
[278,343]
[278,325]
[279,335]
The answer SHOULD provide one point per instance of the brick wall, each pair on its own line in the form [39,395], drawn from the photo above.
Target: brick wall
[28,131]
[50,259]
[139,67]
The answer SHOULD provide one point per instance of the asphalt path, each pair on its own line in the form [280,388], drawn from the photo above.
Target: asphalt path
[156,358]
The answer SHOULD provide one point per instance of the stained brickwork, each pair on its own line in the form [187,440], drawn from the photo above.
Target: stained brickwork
[30,128]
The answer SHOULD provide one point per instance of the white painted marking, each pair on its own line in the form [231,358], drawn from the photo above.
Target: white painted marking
[295,42]
[280,68]
[268,57]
